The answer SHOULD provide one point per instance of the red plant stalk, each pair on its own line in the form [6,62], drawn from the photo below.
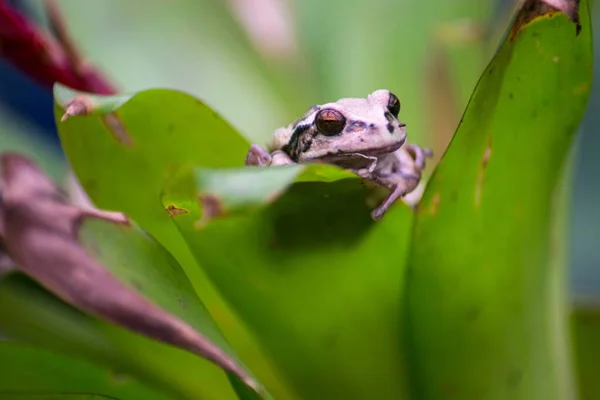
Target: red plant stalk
[43,58]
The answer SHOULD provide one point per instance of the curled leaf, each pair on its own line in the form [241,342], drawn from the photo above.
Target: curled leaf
[40,234]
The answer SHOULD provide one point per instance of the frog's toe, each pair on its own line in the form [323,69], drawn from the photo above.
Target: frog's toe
[377,213]
[420,155]
[258,156]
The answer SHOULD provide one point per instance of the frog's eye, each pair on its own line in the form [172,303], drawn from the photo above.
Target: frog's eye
[394,105]
[330,122]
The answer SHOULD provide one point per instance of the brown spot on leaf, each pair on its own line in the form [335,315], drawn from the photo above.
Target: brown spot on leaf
[119,378]
[435,203]
[212,207]
[173,210]
[533,9]
[115,126]
[273,243]
[472,314]
[582,89]
[514,377]
[80,105]
[448,389]
[487,154]
[182,303]
[137,285]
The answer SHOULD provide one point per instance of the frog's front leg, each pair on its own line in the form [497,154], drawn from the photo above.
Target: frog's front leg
[401,172]
[258,155]
[398,190]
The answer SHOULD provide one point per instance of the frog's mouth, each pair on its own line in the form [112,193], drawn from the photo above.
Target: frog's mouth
[385,150]
[362,159]
[375,151]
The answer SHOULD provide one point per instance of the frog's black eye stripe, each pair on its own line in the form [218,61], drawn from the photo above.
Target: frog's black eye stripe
[394,105]
[330,122]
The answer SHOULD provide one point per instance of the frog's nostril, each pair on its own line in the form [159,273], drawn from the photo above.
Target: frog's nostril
[401,125]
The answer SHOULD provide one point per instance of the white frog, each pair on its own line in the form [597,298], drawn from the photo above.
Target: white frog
[361,135]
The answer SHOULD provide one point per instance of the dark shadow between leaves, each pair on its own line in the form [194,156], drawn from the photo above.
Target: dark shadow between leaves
[313,215]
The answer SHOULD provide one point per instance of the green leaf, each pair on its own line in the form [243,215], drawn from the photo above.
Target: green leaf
[294,250]
[143,265]
[479,294]
[33,315]
[31,373]
[123,148]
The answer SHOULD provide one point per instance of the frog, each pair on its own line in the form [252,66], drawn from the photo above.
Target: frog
[362,135]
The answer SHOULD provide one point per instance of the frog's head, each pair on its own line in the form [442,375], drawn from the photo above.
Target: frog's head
[353,126]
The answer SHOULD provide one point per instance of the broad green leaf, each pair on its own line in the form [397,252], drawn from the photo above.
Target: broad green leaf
[143,265]
[33,315]
[125,150]
[32,373]
[294,250]
[480,299]
[146,267]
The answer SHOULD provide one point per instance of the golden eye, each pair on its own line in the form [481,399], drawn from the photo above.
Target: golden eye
[330,122]
[394,105]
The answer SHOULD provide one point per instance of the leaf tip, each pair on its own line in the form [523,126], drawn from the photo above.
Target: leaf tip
[533,9]
[174,210]
[80,105]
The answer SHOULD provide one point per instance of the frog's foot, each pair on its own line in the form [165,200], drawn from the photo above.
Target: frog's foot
[258,156]
[399,190]
[419,154]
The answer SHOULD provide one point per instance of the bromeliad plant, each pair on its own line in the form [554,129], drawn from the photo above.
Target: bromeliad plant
[455,299]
